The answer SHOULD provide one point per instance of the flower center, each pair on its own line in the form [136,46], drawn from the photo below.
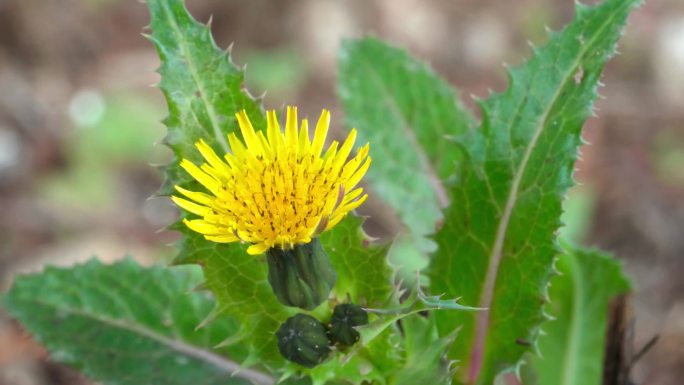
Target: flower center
[280,201]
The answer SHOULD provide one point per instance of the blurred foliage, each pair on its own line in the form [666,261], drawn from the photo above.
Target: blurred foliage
[412,118]
[114,130]
[668,150]
[279,73]
[573,344]
[578,209]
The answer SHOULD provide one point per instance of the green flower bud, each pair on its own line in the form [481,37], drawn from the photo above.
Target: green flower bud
[302,276]
[345,317]
[303,340]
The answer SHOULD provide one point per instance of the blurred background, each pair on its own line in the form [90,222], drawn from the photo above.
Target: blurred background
[78,119]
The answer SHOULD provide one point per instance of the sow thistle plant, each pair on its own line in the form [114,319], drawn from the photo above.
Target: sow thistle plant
[275,281]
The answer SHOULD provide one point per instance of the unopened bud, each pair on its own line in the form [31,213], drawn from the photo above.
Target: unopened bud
[302,276]
[345,318]
[303,340]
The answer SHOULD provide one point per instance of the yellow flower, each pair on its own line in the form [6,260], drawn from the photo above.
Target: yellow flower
[277,189]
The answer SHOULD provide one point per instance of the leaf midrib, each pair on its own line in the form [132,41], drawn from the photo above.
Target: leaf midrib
[230,367]
[482,322]
[182,44]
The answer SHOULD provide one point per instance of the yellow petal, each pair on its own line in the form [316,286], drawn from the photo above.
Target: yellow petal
[353,165]
[202,227]
[275,137]
[257,249]
[332,150]
[207,181]
[190,206]
[248,134]
[304,143]
[334,220]
[198,197]
[341,212]
[350,196]
[236,146]
[236,167]
[352,205]
[321,133]
[245,235]
[268,151]
[291,128]
[333,201]
[356,177]
[218,176]
[224,238]
[344,151]
[211,157]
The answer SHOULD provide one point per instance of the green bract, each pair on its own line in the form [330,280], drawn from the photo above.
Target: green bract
[302,276]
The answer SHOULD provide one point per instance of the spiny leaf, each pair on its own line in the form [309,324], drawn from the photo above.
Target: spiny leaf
[416,303]
[497,245]
[435,302]
[203,88]
[238,280]
[363,274]
[573,343]
[123,324]
[406,111]
[425,361]
[420,355]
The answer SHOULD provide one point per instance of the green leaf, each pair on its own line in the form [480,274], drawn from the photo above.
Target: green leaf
[435,302]
[425,361]
[406,112]
[363,274]
[573,343]
[203,90]
[238,280]
[202,87]
[124,324]
[497,246]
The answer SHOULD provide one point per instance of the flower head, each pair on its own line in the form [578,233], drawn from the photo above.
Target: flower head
[275,189]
